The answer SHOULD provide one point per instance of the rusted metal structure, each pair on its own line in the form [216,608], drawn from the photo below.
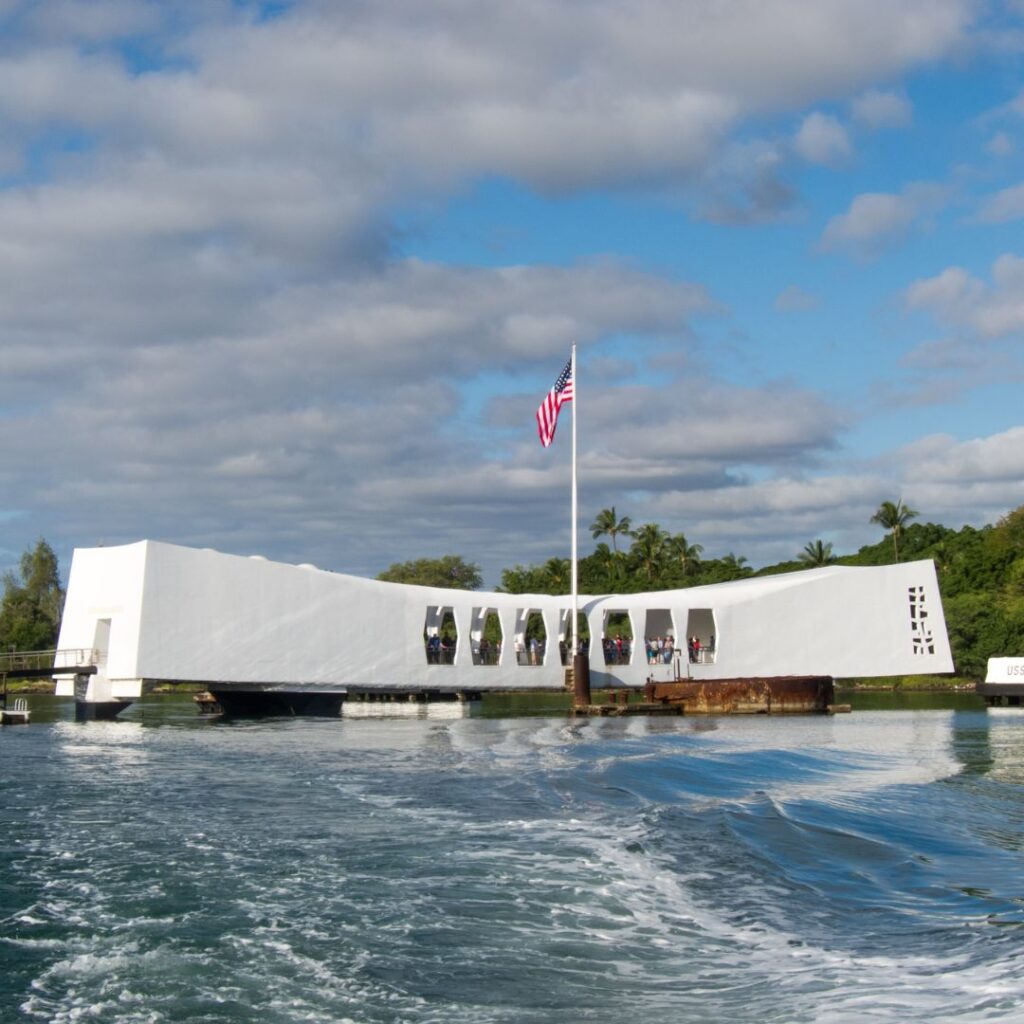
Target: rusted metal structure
[769,695]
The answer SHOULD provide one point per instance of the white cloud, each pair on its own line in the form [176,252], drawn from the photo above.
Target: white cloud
[986,311]
[821,139]
[944,460]
[876,219]
[12,159]
[1003,206]
[952,288]
[947,481]
[211,266]
[946,354]
[321,402]
[872,216]
[97,20]
[880,108]
[1010,111]
[1000,144]
[557,94]
[795,299]
[745,185]
[974,481]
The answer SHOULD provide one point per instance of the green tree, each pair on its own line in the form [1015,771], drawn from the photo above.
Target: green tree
[31,609]
[525,579]
[977,631]
[604,557]
[1008,533]
[684,555]
[817,552]
[450,571]
[649,549]
[600,571]
[608,524]
[559,575]
[1013,586]
[553,577]
[894,517]
[736,565]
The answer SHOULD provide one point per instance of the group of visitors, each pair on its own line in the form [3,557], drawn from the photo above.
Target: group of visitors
[617,650]
[440,650]
[486,653]
[530,651]
[660,649]
[699,652]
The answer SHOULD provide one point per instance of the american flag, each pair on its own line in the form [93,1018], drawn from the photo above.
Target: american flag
[547,414]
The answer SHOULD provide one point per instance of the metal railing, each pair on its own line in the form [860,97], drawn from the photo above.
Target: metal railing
[66,659]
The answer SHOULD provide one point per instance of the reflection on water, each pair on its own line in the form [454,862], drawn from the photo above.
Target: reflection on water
[991,742]
[971,743]
[911,700]
[410,709]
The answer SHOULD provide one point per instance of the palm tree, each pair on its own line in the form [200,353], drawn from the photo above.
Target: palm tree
[943,556]
[608,524]
[894,517]
[649,547]
[685,554]
[736,565]
[817,553]
[557,573]
[609,565]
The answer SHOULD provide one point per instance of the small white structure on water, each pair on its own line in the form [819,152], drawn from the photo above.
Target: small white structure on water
[250,628]
[1004,683]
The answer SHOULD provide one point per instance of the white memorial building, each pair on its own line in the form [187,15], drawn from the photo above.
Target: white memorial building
[145,613]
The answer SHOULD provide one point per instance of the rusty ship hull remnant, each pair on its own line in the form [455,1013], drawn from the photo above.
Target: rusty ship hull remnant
[769,695]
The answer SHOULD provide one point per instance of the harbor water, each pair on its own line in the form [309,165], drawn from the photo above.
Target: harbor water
[513,868]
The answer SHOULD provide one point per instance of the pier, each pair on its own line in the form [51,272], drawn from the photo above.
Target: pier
[78,663]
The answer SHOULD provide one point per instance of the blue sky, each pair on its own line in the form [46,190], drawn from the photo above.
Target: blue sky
[293,278]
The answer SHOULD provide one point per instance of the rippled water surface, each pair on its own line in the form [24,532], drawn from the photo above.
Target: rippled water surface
[867,867]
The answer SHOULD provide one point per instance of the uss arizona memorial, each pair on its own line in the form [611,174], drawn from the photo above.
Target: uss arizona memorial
[254,631]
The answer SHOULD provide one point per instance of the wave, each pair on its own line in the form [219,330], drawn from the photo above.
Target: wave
[516,871]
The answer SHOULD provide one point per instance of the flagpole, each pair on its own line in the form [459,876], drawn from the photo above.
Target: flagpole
[575,567]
